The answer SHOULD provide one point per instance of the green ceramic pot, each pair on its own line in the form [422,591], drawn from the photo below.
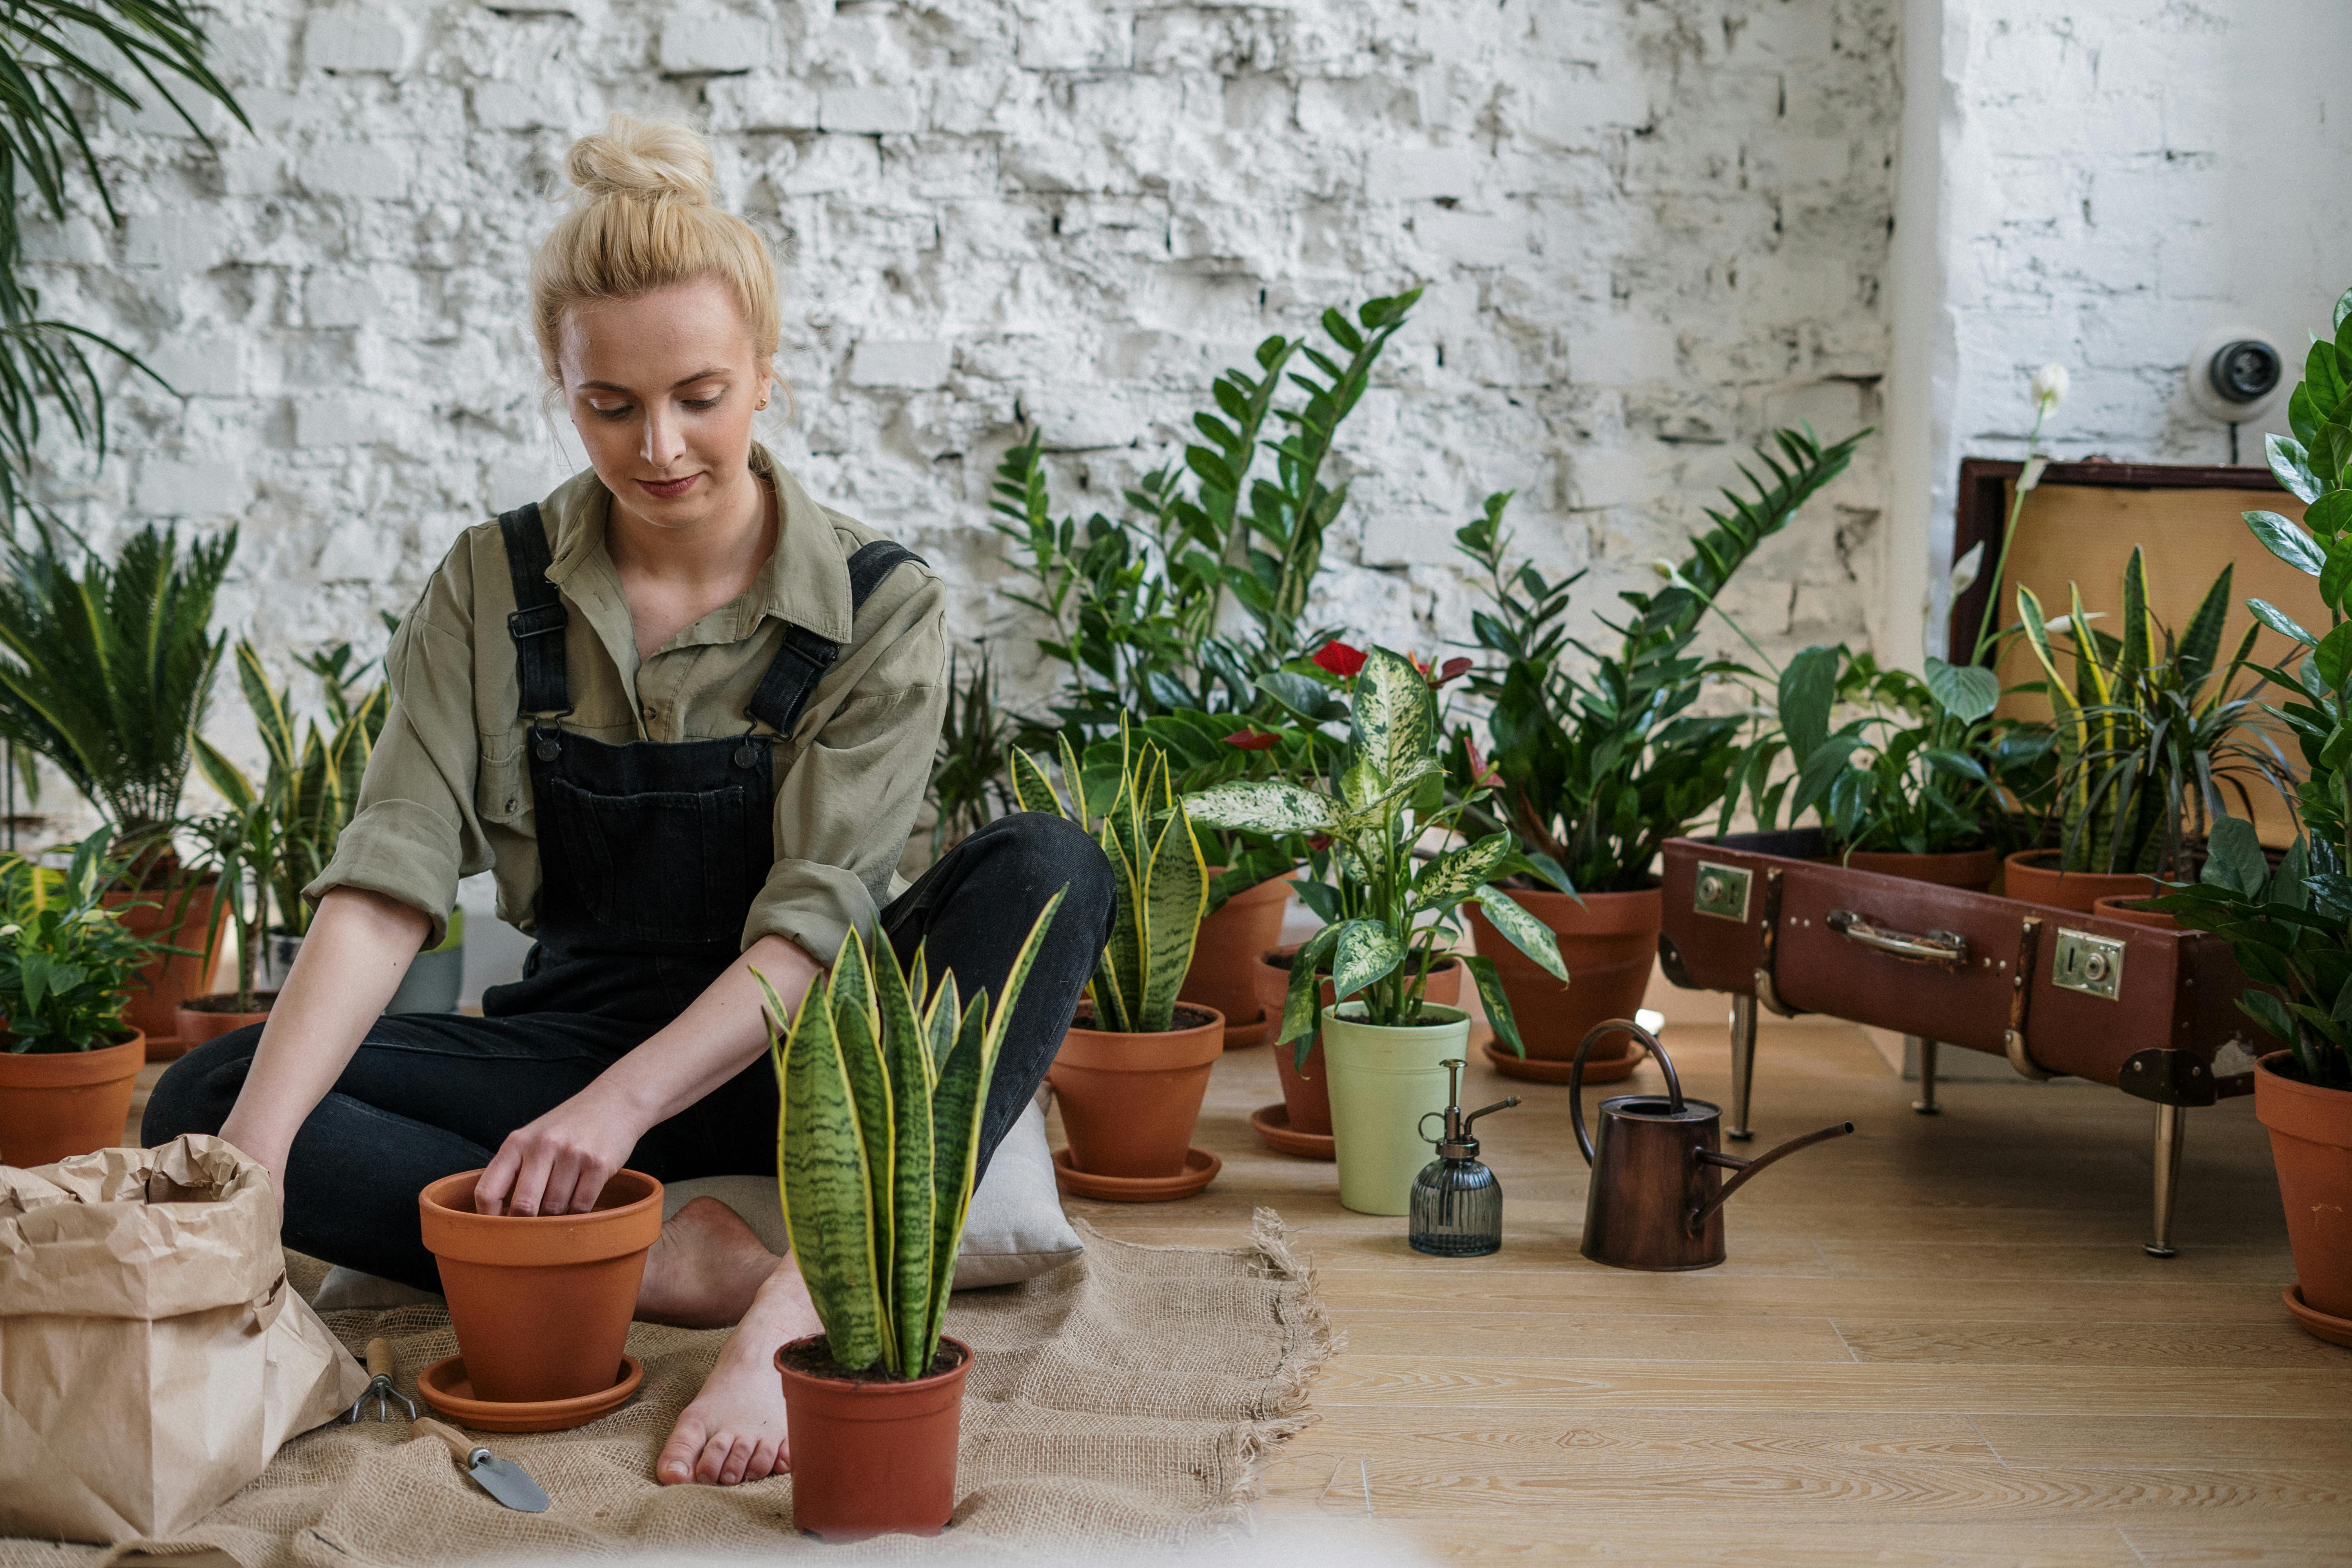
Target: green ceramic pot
[1382,1079]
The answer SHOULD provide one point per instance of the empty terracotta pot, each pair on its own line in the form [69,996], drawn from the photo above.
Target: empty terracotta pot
[1610,943]
[1970,868]
[2033,877]
[1229,942]
[204,1019]
[871,1457]
[2311,1144]
[1305,1094]
[189,920]
[541,1302]
[1129,1101]
[57,1104]
[2126,909]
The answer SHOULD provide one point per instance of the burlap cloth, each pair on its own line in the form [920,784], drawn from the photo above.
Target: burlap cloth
[1133,1393]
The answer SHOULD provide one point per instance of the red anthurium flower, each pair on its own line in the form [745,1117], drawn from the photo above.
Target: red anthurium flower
[1454,670]
[1319,841]
[1251,740]
[1484,775]
[1340,658]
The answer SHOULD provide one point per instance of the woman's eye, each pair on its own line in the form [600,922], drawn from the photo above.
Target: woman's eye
[699,404]
[617,411]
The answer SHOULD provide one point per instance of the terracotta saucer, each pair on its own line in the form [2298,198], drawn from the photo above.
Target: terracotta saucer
[446,1389]
[2319,1324]
[1201,1168]
[1272,1124]
[1533,1070]
[1239,1035]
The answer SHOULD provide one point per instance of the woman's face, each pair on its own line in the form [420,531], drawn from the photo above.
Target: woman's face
[662,389]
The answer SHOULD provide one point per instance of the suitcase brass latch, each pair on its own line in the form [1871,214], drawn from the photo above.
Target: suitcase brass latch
[2092,965]
[1722,891]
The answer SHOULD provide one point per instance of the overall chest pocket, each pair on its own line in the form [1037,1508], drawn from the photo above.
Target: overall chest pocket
[662,865]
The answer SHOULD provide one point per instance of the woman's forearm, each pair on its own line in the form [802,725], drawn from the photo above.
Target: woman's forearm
[723,1032]
[359,945]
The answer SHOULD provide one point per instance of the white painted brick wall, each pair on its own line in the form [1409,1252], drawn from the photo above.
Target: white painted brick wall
[1647,233]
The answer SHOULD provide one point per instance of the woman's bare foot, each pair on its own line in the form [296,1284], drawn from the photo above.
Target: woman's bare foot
[705,1269]
[734,1430]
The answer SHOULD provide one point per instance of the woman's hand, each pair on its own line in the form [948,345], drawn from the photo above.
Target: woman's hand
[560,1164]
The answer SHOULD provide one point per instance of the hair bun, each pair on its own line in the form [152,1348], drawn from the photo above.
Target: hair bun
[646,160]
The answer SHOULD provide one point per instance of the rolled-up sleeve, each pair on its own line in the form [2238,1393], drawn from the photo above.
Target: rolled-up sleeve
[845,807]
[415,831]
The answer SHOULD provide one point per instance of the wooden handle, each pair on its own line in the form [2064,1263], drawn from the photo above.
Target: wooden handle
[379,1357]
[457,1442]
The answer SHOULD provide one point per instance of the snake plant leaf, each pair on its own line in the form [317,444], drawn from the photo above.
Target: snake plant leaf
[1032,791]
[2200,643]
[1496,1002]
[940,1023]
[955,1111]
[894,1012]
[1457,873]
[1017,976]
[2139,638]
[1365,952]
[1394,721]
[828,1188]
[1119,968]
[1523,930]
[2290,543]
[270,719]
[849,996]
[913,1197]
[222,774]
[1271,807]
[1177,897]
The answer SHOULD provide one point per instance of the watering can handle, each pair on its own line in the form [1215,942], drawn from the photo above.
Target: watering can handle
[1576,1074]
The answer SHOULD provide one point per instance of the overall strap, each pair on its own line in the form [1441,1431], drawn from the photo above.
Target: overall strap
[801,662]
[537,621]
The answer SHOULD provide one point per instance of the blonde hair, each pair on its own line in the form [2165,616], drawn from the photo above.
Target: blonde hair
[645,220]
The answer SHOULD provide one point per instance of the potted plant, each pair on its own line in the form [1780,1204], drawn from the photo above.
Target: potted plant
[68,1061]
[1133,1067]
[1301,1123]
[243,841]
[1390,917]
[107,672]
[1601,759]
[884,1078]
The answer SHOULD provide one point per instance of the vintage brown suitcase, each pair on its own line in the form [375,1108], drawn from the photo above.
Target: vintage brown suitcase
[2152,1012]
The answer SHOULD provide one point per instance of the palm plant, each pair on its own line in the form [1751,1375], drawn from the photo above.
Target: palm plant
[884,1079]
[108,673]
[1162,879]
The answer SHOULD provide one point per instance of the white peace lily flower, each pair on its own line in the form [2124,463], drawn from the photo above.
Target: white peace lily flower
[11,929]
[2067,623]
[1966,570]
[2050,385]
[1663,567]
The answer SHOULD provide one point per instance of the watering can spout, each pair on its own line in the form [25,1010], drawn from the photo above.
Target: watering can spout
[1746,1168]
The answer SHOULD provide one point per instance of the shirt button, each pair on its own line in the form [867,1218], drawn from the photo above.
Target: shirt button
[511,804]
[649,709]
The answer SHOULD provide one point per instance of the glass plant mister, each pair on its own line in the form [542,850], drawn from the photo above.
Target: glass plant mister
[1457,1203]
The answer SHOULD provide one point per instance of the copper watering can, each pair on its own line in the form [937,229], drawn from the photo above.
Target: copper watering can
[1655,1200]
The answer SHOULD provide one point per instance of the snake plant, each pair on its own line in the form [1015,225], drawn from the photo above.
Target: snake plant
[1387,913]
[1163,881]
[884,1078]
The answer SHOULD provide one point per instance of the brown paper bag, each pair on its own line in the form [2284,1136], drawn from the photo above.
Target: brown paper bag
[152,1356]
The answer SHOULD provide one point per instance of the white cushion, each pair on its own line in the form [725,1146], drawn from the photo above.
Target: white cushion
[1016,1230]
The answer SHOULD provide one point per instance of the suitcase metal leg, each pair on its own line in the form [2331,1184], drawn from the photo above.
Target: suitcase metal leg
[2171,1134]
[1926,1104]
[1743,1066]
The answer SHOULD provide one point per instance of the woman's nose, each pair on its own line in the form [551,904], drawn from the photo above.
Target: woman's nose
[663,443]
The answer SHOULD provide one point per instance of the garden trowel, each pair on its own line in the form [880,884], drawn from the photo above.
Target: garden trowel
[502,1479]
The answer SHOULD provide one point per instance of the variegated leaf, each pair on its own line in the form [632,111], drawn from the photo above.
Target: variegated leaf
[1032,791]
[1394,718]
[1457,873]
[856,1028]
[907,1055]
[827,1189]
[1272,808]
[1499,1015]
[1302,1000]
[1178,884]
[1525,932]
[1367,952]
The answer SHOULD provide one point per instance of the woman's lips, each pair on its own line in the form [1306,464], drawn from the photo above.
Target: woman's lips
[668,490]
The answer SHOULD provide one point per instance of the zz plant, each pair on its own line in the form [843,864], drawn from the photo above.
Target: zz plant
[1388,914]
[884,1076]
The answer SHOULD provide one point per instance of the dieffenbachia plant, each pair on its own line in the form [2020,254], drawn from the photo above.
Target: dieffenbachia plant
[1389,915]
[884,1081]
[1163,881]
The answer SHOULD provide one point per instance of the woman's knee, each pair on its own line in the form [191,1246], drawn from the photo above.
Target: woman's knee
[196,1092]
[1053,852]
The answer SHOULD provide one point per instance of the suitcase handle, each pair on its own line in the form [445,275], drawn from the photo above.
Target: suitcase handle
[1947,949]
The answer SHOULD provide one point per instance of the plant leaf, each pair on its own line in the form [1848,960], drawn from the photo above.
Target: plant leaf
[1523,930]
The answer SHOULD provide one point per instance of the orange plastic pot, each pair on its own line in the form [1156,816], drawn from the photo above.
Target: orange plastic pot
[1229,942]
[1970,868]
[541,1302]
[1305,1094]
[1129,1101]
[202,1018]
[2032,877]
[189,920]
[57,1104]
[2311,1144]
[872,1458]
[1608,941]
[2125,908]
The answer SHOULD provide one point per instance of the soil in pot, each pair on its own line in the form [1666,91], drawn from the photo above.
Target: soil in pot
[541,1304]
[2134,910]
[872,1455]
[1972,869]
[1306,1094]
[57,1104]
[1129,1101]
[1610,943]
[2311,1144]
[202,1018]
[190,919]
[1229,942]
[1384,1079]
[2033,877]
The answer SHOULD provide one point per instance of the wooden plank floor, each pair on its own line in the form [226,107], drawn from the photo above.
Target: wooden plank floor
[1938,1342]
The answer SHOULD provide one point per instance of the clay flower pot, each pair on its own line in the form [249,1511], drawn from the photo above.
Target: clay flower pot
[1229,943]
[2127,909]
[1128,1101]
[57,1104]
[541,1302]
[1610,943]
[188,920]
[2311,1143]
[2033,877]
[1306,1093]
[202,1018]
[1970,868]
[871,1456]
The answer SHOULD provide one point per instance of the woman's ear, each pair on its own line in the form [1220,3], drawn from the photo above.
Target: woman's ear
[765,369]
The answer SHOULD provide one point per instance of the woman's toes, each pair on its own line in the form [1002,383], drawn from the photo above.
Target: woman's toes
[675,1466]
[738,1460]
[767,1460]
[713,1463]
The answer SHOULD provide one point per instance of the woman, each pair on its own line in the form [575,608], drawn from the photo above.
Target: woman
[685,714]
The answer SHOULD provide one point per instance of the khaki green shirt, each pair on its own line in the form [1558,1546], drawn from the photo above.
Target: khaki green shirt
[447,792]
